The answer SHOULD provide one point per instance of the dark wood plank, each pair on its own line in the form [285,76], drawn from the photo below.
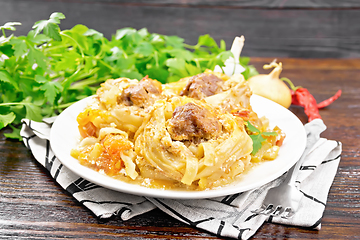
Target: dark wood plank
[269,32]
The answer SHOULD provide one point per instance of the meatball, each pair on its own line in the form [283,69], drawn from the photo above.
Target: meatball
[193,122]
[202,85]
[142,94]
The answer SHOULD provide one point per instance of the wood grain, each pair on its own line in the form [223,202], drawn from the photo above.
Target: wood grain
[298,29]
[33,206]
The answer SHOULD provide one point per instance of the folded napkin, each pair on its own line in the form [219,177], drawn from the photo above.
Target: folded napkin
[228,216]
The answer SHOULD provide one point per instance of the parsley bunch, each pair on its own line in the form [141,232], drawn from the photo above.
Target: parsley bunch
[49,69]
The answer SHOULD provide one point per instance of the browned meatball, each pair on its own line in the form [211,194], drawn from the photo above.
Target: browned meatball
[202,85]
[193,122]
[142,94]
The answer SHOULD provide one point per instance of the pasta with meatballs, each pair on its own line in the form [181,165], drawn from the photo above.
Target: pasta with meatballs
[192,134]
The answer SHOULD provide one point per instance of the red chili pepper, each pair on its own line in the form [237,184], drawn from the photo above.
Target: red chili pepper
[304,98]
[328,101]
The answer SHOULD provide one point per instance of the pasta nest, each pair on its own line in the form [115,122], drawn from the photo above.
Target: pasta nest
[213,150]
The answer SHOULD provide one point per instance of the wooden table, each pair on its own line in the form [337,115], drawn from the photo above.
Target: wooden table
[33,206]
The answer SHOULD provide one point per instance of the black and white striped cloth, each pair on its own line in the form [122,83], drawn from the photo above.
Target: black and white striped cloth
[229,216]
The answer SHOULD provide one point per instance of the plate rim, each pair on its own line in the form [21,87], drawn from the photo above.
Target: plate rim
[129,188]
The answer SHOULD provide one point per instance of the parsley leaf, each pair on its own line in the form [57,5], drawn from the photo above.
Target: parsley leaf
[37,58]
[6,119]
[257,142]
[15,134]
[51,88]
[257,136]
[6,77]
[19,46]
[50,27]
[9,26]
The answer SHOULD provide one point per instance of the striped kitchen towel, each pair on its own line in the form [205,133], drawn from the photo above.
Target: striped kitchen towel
[228,216]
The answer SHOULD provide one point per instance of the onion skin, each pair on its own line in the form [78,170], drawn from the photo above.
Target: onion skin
[271,87]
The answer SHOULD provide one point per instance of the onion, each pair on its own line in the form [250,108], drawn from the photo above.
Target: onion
[271,86]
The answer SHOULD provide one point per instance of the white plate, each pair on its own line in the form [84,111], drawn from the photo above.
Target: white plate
[65,136]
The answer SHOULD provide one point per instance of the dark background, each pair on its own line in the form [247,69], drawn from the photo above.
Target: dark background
[278,28]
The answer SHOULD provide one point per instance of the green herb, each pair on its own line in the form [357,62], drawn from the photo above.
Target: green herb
[250,70]
[257,136]
[49,69]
